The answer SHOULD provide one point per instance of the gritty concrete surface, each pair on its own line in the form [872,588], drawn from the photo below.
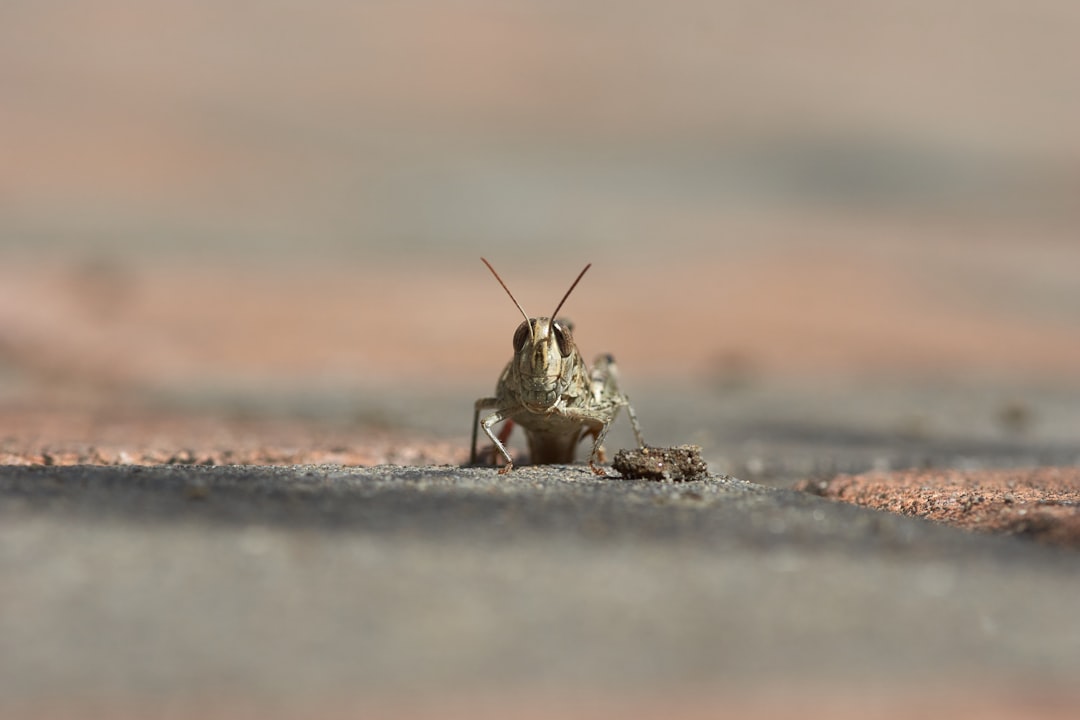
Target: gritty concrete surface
[312,589]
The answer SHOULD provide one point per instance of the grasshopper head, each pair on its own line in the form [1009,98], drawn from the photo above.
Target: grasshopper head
[544,352]
[544,356]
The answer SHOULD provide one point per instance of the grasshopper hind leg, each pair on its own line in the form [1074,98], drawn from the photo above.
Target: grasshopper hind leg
[604,384]
[604,381]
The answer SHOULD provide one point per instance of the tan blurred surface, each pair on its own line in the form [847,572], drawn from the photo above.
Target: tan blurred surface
[797,314]
[760,703]
[300,195]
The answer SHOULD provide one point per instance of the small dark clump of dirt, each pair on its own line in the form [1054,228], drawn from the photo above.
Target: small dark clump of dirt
[681,463]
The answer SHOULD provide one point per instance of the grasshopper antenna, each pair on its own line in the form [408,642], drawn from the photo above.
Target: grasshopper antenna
[551,321]
[523,313]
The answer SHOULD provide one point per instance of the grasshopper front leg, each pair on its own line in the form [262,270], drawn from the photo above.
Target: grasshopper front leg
[489,422]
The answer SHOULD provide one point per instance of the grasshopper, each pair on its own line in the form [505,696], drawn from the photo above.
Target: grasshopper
[549,391]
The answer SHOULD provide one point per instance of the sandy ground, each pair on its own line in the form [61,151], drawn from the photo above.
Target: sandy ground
[1041,503]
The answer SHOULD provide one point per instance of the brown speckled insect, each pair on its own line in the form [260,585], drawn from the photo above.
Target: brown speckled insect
[549,391]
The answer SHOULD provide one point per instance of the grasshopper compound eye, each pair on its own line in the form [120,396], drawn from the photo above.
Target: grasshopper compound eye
[521,335]
[562,337]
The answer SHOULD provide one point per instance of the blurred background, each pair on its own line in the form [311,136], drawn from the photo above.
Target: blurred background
[840,219]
